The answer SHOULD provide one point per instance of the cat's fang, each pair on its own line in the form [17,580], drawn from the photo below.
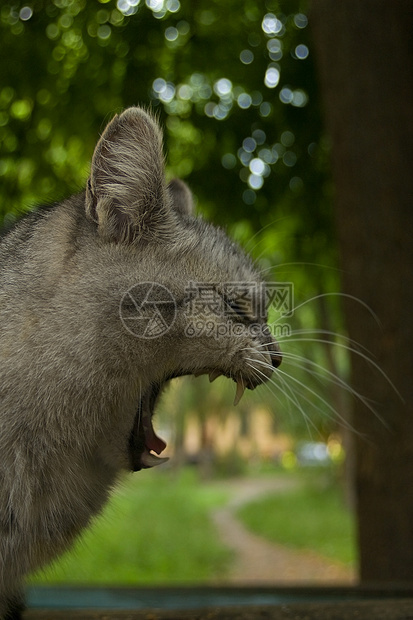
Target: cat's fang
[239,392]
[151,460]
[214,374]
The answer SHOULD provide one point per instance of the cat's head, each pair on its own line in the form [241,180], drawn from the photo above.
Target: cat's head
[190,300]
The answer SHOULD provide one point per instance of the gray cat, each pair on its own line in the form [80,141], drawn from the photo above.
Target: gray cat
[103,299]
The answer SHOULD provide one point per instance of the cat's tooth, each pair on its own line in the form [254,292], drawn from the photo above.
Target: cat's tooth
[198,373]
[239,392]
[214,374]
[151,460]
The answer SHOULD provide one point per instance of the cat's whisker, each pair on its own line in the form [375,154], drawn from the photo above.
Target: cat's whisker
[258,346]
[251,249]
[351,346]
[289,268]
[322,400]
[290,395]
[334,413]
[343,422]
[322,373]
[319,372]
[324,332]
[293,397]
[325,295]
[350,349]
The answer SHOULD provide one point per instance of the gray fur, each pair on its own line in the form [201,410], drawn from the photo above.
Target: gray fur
[71,377]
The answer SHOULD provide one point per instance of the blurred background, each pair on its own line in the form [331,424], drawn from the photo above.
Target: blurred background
[236,89]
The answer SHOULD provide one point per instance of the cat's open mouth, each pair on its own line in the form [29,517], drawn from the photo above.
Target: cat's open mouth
[144,444]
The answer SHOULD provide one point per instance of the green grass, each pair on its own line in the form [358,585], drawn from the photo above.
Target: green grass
[155,530]
[305,518]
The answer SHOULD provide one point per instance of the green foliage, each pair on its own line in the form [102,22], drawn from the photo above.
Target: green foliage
[71,64]
[156,530]
[308,517]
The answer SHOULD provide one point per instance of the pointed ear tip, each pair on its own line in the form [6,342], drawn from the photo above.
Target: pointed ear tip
[176,183]
[177,186]
[181,196]
[135,114]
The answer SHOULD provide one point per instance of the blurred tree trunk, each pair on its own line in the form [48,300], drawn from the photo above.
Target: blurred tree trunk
[365,63]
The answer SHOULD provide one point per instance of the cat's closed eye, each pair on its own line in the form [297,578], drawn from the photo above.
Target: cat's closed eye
[241,311]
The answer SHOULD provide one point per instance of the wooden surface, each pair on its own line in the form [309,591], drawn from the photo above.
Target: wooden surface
[374,602]
[363,610]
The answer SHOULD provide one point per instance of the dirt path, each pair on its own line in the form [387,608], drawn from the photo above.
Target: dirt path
[260,562]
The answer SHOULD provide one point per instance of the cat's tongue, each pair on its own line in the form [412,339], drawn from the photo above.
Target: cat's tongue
[152,442]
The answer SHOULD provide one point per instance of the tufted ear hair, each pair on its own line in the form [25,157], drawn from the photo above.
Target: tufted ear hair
[181,197]
[126,195]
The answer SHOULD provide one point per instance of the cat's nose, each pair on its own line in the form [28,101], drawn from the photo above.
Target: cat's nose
[275,352]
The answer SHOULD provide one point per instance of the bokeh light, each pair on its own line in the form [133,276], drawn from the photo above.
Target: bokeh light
[271,25]
[223,87]
[249,145]
[171,33]
[244,101]
[301,51]
[246,57]
[272,77]
[25,13]
[300,20]
[255,181]
[128,7]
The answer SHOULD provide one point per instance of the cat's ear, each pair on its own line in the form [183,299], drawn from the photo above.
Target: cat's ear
[126,195]
[181,197]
